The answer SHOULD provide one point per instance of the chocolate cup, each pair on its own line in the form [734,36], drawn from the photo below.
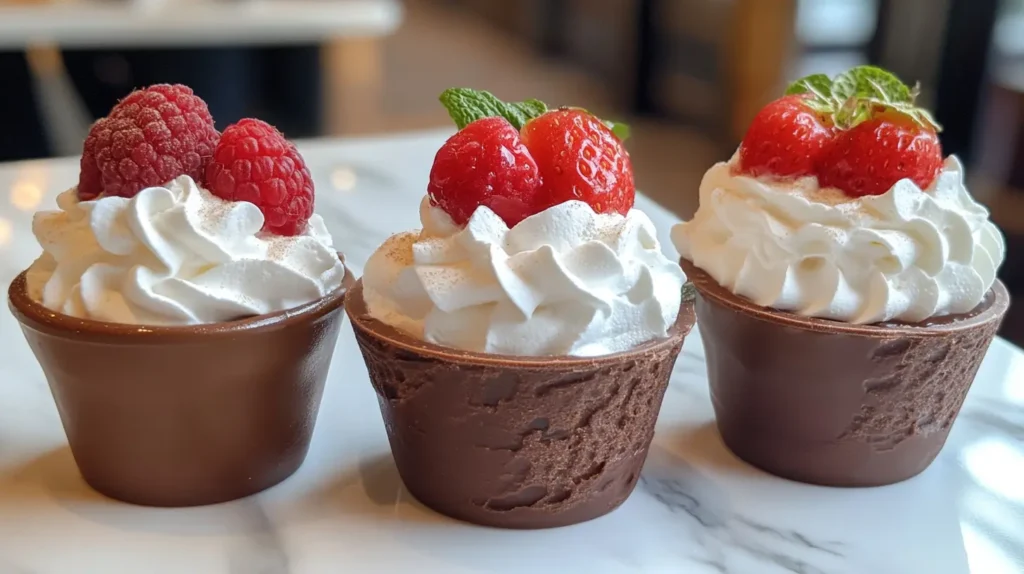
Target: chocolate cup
[833,403]
[516,442]
[190,415]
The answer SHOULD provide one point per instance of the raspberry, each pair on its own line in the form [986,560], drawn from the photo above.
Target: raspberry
[485,163]
[578,157]
[254,162]
[149,138]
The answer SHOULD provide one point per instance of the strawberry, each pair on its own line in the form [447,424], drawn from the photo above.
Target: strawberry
[579,157]
[485,163]
[519,158]
[785,139]
[881,136]
[869,158]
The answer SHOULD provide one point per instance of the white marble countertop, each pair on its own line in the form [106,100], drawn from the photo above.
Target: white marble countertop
[697,508]
[190,23]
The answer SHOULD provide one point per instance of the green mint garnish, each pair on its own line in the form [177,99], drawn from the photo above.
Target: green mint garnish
[871,82]
[820,88]
[689,292]
[620,129]
[853,97]
[466,105]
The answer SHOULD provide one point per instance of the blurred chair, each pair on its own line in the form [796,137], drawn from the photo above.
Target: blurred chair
[280,85]
[539,22]
[23,135]
[713,63]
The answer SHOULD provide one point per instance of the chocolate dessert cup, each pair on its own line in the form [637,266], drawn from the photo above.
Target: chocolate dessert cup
[834,403]
[516,442]
[189,415]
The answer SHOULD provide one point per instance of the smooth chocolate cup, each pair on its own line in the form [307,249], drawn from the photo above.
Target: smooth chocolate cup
[516,442]
[833,403]
[190,415]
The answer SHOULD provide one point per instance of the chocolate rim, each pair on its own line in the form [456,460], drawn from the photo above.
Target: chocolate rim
[992,307]
[362,320]
[44,319]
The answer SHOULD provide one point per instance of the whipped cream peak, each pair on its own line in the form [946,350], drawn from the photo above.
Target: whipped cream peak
[908,254]
[175,255]
[565,281]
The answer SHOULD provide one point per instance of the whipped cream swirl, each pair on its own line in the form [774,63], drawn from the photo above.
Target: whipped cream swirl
[908,254]
[566,281]
[174,255]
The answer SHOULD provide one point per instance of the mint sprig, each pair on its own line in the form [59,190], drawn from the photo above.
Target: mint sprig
[689,292]
[466,105]
[819,85]
[854,96]
[620,129]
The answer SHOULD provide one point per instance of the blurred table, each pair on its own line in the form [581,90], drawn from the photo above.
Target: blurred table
[190,23]
[696,509]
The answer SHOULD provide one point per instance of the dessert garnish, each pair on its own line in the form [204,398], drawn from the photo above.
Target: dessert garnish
[254,162]
[859,132]
[149,138]
[839,205]
[530,324]
[521,158]
[529,243]
[847,284]
[163,131]
[174,223]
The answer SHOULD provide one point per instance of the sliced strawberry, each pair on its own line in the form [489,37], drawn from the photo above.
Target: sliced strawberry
[579,157]
[785,139]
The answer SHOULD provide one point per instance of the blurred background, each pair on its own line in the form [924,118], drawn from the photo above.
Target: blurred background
[688,75]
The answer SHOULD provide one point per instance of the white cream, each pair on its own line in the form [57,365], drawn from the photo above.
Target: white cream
[565,281]
[174,255]
[908,254]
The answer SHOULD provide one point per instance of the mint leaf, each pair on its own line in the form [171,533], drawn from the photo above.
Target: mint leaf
[818,84]
[689,291]
[819,87]
[871,82]
[466,105]
[620,129]
[864,90]
[924,116]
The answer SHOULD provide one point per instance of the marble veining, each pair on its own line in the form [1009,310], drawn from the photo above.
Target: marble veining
[697,509]
[724,530]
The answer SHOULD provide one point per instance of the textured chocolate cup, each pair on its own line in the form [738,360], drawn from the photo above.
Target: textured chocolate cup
[516,442]
[190,415]
[833,403]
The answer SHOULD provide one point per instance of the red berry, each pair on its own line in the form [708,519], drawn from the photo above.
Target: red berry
[254,162]
[150,137]
[784,140]
[485,163]
[579,157]
[869,158]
